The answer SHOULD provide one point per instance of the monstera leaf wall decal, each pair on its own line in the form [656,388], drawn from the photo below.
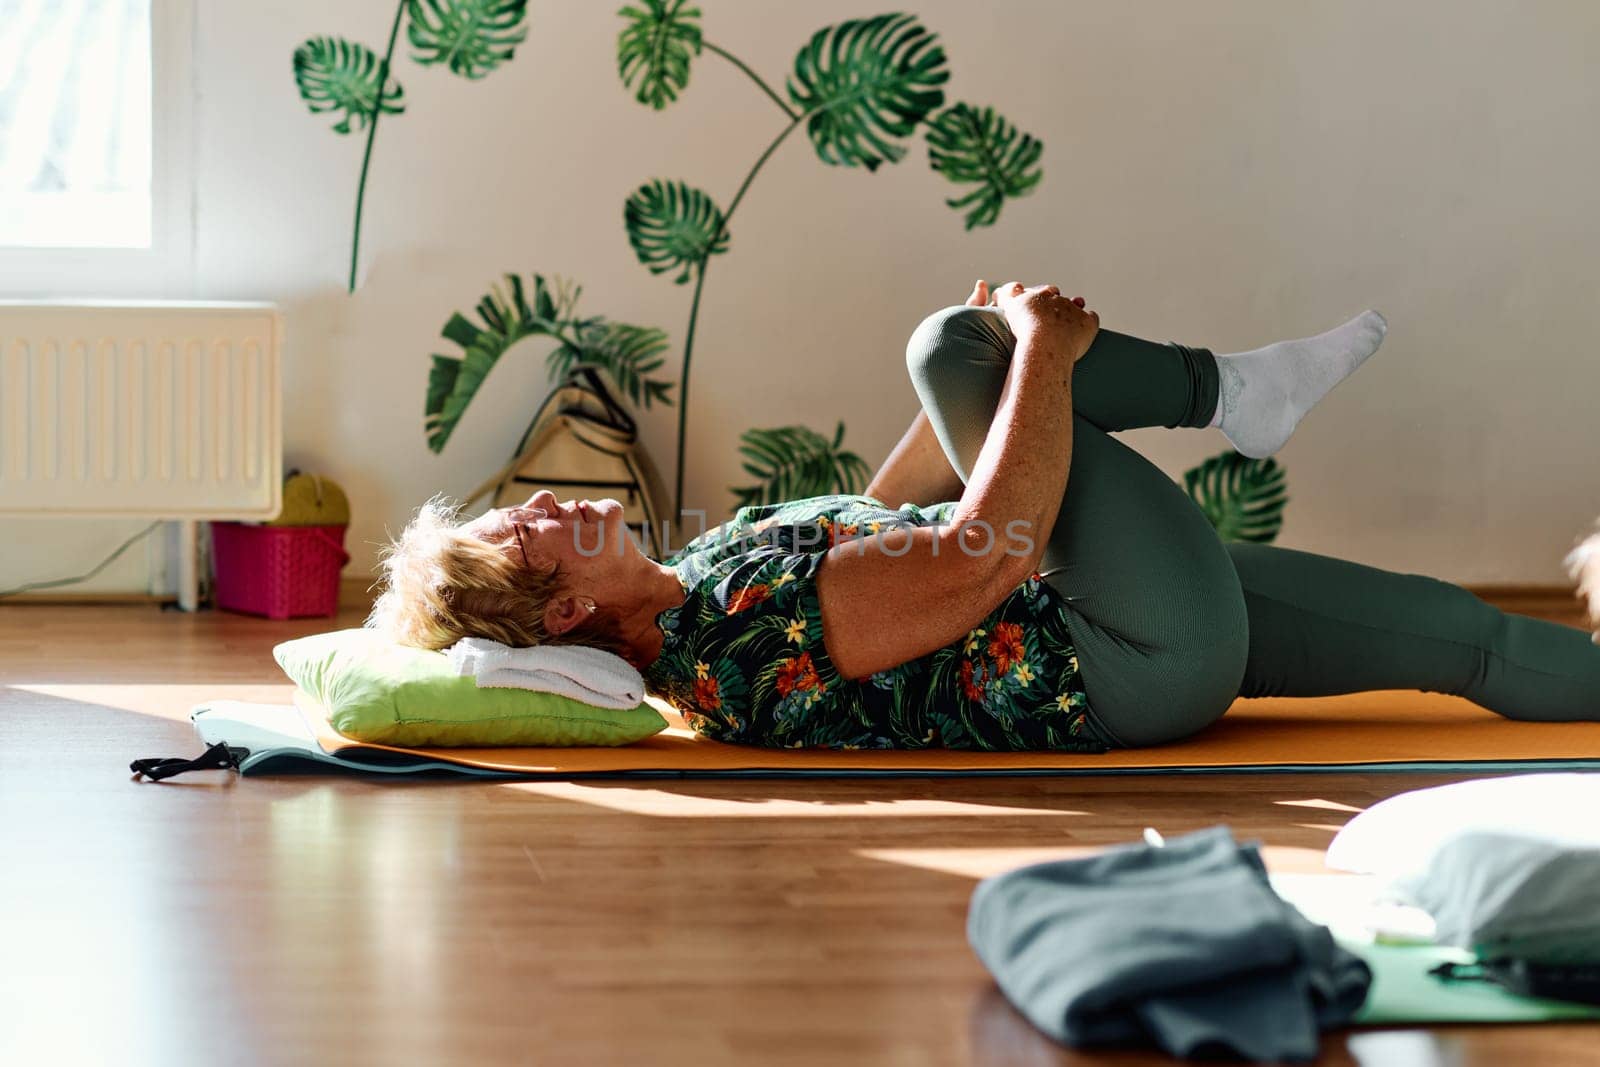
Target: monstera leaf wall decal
[470,37]
[673,226]
[343,76]
[976,145]
[656,49]
[1243,498]
[864,84]
[861,88]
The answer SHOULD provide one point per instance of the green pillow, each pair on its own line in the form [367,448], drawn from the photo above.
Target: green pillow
[386,693]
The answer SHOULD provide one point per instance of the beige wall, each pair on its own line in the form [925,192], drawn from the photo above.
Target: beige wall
[1222,174]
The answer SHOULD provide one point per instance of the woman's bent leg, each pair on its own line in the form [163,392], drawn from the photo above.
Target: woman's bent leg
[1121,383]
[1147,590]
[1151,599]
[1320,626]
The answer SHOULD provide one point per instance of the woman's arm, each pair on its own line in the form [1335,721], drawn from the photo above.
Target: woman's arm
[917,471]
[903,593]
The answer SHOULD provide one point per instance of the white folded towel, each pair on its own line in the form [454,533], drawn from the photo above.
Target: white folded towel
[591,675]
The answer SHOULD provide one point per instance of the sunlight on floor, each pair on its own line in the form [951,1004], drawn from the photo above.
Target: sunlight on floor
[1325,805]
[673,804]
[163,701]
[388,876]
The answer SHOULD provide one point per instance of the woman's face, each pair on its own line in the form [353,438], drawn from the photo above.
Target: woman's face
[584,538]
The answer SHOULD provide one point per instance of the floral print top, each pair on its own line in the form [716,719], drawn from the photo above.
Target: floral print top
[743,658]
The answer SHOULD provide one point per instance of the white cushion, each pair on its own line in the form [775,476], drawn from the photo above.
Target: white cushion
[1399,836]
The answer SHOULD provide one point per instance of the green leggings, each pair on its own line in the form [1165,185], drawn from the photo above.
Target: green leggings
[1170,623]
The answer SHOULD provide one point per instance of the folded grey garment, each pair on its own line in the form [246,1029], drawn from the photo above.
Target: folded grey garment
[1503,894]
[1184,946]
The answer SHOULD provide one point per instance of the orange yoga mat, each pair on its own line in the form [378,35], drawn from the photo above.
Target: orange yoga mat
[1389,730]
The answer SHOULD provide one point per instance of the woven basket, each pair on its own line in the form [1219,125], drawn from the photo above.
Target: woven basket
[282,572]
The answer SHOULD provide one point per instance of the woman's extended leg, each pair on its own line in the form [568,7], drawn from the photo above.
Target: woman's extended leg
[1320,626]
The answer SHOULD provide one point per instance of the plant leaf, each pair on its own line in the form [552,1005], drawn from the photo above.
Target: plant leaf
[442,375]
[1243,498]
[471,37]
[790,462]
[673,225]
[865,82]
[339,75]
[968,144]
[657,45]
[507,316]
[452,383]
[629,353]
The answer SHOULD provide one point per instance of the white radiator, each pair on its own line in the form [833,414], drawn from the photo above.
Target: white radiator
[141,409]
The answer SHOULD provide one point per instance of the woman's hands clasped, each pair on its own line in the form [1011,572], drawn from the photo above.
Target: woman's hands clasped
[1042,312]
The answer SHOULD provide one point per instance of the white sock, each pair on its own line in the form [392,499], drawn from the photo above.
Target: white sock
[1263,394]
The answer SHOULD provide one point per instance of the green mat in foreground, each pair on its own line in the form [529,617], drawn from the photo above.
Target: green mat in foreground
[1403,992]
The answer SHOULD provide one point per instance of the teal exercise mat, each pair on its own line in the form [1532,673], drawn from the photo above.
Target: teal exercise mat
[1402,991]
[1370,732]
[276,739]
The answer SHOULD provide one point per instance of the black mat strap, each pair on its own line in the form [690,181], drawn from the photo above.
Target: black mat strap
[217,757]
[1575,982]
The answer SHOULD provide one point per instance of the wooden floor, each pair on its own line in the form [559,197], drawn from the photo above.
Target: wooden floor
[306,920]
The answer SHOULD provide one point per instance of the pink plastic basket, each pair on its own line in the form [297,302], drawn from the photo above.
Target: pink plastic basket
[282,572]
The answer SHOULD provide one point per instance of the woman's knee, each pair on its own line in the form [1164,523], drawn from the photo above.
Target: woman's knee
[955,339]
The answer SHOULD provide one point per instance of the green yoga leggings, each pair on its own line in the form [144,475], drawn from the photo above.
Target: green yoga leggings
[1170,623]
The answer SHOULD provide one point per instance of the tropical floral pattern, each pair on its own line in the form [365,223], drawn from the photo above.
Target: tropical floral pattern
[743,658]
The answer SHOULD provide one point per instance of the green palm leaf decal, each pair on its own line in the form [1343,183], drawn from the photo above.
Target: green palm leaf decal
[456,382]
[866,82]
[628,352]
[657,46]
[968,144]
[795,461]
[673,225]
[1242,497]
[507,316]
[471,37]
[339,75]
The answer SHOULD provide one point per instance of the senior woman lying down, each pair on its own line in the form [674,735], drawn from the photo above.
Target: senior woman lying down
[1013,578]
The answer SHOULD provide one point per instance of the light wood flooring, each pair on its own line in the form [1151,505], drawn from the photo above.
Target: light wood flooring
[307,920]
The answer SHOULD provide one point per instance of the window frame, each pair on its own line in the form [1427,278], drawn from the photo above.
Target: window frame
[166,268]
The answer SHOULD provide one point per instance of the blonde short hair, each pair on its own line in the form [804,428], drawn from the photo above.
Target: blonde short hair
[441,583]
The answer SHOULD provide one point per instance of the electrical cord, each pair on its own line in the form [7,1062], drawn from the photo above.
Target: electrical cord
[56,583]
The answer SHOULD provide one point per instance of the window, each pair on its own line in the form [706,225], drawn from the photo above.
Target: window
[75,124]
[97,149]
